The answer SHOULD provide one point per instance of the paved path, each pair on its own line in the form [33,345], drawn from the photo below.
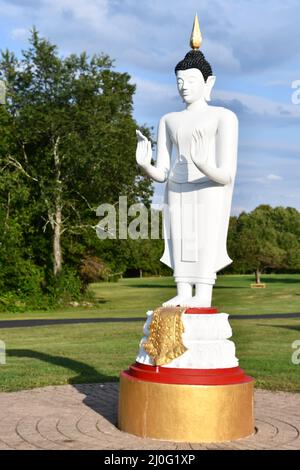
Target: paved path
[67,321]
[84,417]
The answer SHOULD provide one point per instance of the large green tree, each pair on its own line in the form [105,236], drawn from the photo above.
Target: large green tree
[266,238]
[72,143]
[15,256]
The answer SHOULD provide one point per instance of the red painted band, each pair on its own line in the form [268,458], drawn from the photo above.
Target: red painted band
[202,310]
[233,375]
[179,371]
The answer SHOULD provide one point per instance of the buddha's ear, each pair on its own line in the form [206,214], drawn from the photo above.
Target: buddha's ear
[209,86]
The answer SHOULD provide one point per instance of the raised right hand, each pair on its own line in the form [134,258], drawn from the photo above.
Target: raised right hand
[143,150]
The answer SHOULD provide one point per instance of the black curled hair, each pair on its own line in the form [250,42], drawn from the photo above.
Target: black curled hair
[195,60]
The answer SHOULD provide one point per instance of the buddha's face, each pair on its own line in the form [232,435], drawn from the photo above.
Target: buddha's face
[192,86]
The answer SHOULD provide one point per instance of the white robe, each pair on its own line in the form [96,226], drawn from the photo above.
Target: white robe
[196,209]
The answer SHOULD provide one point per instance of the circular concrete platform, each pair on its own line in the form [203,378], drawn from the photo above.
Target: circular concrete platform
[84,417]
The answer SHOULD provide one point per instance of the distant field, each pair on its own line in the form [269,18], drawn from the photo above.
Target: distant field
[133,297]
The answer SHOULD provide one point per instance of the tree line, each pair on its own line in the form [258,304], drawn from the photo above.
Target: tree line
[67,144]
[265,240]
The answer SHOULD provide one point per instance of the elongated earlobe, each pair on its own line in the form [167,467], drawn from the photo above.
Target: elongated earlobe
[209,86]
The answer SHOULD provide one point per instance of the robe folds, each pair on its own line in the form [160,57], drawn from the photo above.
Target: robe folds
[196,209]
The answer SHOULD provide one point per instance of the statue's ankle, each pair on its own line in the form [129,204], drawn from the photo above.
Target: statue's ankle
[184,289]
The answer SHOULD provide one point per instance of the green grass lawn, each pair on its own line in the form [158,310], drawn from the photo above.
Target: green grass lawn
[95,353]
[52,355]
[132,297]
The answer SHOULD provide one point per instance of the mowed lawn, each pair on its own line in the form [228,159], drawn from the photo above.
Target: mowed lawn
[82,353]
[133,297]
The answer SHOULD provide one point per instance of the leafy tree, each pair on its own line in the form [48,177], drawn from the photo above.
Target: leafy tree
[72,140]
[287,225]
[255,242]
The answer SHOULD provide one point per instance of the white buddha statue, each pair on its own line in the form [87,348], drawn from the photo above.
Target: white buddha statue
[199,184]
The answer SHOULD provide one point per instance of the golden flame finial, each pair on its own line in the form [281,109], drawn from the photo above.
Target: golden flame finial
[196,37]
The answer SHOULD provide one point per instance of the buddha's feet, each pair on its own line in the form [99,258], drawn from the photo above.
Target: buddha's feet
[176,301]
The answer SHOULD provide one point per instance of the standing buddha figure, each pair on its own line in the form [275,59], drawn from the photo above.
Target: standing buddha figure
[199,185]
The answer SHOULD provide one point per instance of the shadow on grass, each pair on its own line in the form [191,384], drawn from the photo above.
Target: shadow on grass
[279,280]
[95,395]
[152,286]
[173,286]
[231,287]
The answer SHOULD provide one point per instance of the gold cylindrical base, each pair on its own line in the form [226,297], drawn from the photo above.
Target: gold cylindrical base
[186,413]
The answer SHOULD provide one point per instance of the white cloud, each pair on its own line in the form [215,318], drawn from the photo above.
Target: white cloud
[262,179]
[252,47]
[19,33]
[155,98]
[266,179]
[223,56]
[272,177]
[273,147]
[154,90]
[237,36]
[275,83]
[92,12]
[258,105]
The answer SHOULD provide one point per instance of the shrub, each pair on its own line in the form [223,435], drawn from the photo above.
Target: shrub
[64,288]
[93,269]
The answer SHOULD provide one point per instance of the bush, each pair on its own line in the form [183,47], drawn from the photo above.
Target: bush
[64,288]
[93,269]
[21,286]
[39,293]
[21,277]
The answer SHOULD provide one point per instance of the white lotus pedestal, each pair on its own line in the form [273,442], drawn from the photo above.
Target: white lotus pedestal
[201,396]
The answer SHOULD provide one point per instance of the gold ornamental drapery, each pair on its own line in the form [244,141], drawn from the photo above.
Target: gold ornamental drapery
[165,340]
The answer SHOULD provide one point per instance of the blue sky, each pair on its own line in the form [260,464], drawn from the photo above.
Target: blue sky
[252,45]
